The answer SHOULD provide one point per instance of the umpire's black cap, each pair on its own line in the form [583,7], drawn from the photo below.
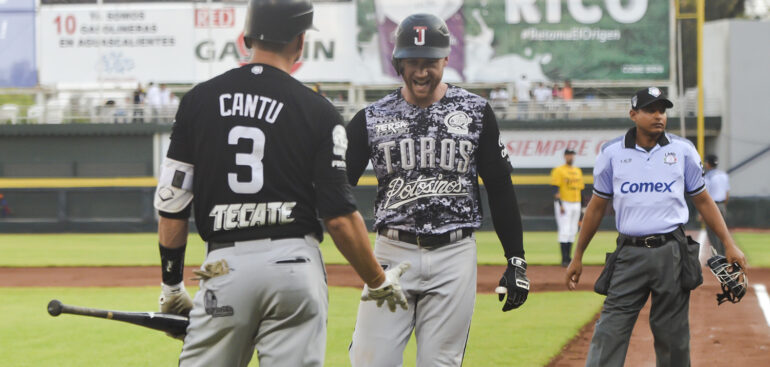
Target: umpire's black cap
[644,97]
[569,151]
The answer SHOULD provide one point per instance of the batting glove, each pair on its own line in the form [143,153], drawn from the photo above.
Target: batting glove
[515,283]
[390,290]
[174,299]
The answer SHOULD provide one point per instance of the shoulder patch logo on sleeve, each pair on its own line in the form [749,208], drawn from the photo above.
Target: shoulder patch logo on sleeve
[457,122]
[340,140]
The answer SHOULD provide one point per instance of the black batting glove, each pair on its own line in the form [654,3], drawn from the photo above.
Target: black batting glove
[514,283]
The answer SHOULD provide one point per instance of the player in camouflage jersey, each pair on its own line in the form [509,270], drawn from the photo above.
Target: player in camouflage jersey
[429,142]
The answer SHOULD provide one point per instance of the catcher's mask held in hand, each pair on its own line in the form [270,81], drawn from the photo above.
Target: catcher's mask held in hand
[734,282]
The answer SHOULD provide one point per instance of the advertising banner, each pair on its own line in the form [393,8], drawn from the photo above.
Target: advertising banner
[116,43]
[548,40]
[545,149]
[492,41]
[182,43]
[17,43]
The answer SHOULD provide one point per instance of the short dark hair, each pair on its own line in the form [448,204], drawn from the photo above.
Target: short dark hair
[267,46]
[712,160]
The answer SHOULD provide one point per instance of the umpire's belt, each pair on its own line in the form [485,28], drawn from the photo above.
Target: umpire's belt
[426,240]
[651,241]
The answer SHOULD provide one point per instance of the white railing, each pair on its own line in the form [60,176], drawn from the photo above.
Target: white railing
[578,109]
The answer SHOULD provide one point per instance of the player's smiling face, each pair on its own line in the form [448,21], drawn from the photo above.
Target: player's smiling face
[651,119]
[422,78]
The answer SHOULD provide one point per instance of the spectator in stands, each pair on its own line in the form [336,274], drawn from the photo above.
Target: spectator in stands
[718,186]
[555,91]
[523,97]
[165,104]
[499,99]
[138,115]
[5,210]
[154,101]
[566,94]
[542,97]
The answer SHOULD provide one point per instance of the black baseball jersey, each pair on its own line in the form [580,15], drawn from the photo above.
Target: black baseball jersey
[427,160]
[268,155]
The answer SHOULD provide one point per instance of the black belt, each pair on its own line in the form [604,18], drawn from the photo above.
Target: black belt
[213,246]
[426,240]
[651,241]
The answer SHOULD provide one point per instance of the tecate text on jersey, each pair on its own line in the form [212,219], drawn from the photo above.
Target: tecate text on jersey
[243,215]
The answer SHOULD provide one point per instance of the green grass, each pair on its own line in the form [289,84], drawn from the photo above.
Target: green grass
[124,249]
[529,336]
[756,247]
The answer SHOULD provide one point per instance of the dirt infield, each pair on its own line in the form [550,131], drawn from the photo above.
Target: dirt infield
[737,334]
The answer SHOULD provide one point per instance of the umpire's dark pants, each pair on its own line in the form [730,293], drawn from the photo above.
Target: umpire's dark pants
[640,271]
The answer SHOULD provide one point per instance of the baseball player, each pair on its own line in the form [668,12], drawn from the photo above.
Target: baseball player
[647,173]
[257,154]
[428,143]
[718,186]
[567,181]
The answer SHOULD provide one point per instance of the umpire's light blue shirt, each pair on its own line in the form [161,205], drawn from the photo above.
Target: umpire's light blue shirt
[717,184]
[647,188]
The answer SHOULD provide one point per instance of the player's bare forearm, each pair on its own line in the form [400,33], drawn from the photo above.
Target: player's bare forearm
[591,220]
[713,218]
[172,233]
[351,238]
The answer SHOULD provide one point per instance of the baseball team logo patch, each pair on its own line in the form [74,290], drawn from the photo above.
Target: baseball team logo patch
[211,307]
[653,91]
[457,122]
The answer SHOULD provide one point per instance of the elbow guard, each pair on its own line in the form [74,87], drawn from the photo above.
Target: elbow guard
[174,191]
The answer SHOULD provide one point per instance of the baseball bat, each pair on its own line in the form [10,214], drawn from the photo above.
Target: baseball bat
[170,323]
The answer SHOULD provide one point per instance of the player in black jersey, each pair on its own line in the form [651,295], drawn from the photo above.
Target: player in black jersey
[428,143]
[259,157]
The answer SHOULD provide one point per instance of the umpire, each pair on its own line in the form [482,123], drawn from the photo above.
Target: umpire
[647,173]
[718,186]
[260,156]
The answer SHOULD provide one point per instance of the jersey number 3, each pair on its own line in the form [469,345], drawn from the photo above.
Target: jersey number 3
[252,160]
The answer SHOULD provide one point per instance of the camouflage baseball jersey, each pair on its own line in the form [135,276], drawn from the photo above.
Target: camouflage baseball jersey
[427,160]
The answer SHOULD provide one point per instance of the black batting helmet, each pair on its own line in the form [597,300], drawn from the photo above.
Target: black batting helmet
[277,21]
[421,36]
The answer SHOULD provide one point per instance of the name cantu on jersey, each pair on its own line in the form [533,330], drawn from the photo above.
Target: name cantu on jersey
[423,154]
[243,215]
[245,105]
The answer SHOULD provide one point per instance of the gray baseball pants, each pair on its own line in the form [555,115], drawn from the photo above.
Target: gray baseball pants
[440,288]
[640,272]
[274,298]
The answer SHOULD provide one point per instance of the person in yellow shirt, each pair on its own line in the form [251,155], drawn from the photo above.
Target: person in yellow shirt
[568,184]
